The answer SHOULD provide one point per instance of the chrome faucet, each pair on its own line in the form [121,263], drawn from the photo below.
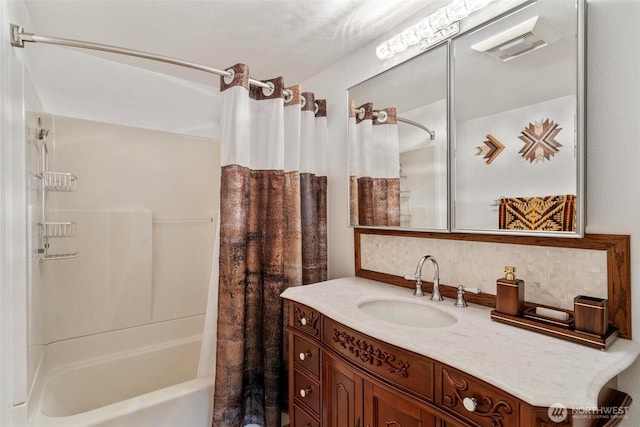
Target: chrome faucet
[418,278]
[460,302]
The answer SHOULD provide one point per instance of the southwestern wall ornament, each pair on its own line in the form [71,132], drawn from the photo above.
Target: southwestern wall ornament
[539,141]
[491,149]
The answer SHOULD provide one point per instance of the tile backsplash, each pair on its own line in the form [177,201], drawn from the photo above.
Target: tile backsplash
[553,276]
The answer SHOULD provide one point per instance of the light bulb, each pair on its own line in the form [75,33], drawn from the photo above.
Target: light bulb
[396,45]
[439,19]
[383,51]
[409,37]
[456,10]
[474,5]
[423,28]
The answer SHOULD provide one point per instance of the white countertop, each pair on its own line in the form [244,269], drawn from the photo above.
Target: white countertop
[536,368]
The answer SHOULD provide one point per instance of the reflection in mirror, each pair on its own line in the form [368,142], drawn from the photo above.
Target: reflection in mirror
[518,123]
[398,145]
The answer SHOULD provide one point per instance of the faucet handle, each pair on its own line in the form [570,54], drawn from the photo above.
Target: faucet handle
[460,302]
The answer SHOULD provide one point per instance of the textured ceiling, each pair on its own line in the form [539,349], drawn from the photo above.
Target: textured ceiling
[294,38]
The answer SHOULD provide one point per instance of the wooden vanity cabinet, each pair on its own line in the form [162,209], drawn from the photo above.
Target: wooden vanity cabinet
[339,377]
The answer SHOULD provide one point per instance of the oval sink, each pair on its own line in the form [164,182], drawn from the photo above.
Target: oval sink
[407,313]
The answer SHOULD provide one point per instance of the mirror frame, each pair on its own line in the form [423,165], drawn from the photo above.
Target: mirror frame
[580,135]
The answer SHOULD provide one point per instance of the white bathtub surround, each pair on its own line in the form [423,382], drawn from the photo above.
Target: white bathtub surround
[144,376]
[538,369]
[109,286]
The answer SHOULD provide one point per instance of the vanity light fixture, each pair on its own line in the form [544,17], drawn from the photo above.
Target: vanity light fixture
[440,25]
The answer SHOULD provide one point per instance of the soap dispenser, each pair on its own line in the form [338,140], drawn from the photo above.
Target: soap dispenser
[510,293]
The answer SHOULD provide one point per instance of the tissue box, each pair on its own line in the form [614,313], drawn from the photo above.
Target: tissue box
[590,315]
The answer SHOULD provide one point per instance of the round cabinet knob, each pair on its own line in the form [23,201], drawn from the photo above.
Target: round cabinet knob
[304,392]
[305,355]
[303,321]
[470,404]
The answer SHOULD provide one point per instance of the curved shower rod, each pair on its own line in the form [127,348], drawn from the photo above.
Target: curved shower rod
[382,116]
[432,134]
[19,37]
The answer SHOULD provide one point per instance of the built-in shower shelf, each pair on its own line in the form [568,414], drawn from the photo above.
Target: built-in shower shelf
[58,229]
[59,181]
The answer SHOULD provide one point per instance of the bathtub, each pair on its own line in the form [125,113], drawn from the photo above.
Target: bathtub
[143,376]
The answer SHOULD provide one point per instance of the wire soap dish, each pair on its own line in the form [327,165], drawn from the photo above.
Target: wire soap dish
[59,181]
[58,229]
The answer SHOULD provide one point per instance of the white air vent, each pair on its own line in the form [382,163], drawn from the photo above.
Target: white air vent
[516,41]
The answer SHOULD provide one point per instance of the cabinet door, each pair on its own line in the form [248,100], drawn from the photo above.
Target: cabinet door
[342,391]
[385,408]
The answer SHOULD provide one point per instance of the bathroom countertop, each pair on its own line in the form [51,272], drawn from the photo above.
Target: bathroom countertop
[536,368]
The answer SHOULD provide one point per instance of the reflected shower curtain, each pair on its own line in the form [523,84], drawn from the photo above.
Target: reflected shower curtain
[376,187]
[272,235]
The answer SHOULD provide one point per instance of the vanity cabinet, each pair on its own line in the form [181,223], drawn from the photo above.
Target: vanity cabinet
[339,377]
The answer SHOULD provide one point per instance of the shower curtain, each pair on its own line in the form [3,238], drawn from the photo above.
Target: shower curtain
[375,167]
[272,236]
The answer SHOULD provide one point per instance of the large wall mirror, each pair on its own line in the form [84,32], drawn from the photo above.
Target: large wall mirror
[484,133]
[398,143]
[518,123]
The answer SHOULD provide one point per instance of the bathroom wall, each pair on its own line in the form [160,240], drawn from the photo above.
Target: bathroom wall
[144,208]
[613,121]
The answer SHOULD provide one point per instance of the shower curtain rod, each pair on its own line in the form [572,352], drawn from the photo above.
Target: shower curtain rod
[382,116]
[432,134]
[19,37]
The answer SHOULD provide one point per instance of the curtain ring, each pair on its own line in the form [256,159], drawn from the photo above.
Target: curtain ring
[360,113]
[316,108]
[232,75]
[268,91]
[382,116]
[288,95]
[303,102]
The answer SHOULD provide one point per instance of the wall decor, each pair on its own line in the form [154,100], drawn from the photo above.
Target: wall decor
[491,149]
[539,141]
[550,213]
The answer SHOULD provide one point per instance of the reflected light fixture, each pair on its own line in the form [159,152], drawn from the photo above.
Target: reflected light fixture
[440,25]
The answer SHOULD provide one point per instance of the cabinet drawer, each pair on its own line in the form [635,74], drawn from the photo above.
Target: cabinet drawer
[306,392]
[302,419]
[476,400]
[404,369]
[306,355]
[304,319]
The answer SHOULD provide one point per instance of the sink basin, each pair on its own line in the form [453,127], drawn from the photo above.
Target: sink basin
[407,313]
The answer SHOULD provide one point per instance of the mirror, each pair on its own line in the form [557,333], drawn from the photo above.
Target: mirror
[518,123]
[398,146]
[511,159]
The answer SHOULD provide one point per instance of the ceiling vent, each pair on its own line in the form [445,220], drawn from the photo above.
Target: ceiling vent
[516,41]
